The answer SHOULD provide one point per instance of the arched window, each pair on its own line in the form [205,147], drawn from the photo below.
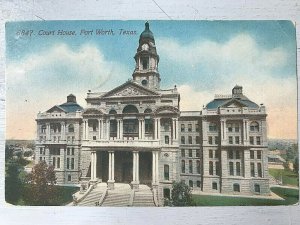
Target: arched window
[257,188]
[236,188]
[254,126]
[43,128]
[130,109]
[212,127]
[148,111]
[71,128]
[112,111]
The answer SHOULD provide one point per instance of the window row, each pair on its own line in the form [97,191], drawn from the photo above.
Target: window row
[191,183]
[255,154]
[189,128]
[234,169]
[237,188]
[56,162]
[190,166]
[213,154]
[256,169]
[233,127]
[213,140]
[190,153]
[189,140]
[234,140]
[70,163]
[214,168]
[235,154]
[56,128]
[256,142]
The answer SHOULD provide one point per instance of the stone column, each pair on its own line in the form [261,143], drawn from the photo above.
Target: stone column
[158,128]
[99,129]
[87,130]
[157,168]
[62,131]
[143,128]
[140,128]
[111,171]
[92,166]
[107,129]
[118,129]
[95,166]
[48,131]
[121,129]
[153,168]
[176,129]
[135,173]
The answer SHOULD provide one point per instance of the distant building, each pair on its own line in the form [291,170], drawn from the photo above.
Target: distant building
[137,134]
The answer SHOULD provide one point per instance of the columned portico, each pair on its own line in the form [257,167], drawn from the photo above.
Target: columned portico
[111,170]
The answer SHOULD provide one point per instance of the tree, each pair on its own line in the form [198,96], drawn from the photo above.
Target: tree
[181,194]
[13,184]
[41,185]
[296,165]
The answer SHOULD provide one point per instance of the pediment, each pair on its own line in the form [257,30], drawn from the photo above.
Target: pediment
[129,89]
[55,109]
[92,111]
[166,109]
[233,103]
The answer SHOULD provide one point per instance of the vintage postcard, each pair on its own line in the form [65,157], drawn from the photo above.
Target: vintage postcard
[151,113]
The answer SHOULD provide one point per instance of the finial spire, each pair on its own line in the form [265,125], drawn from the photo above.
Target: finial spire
[147,25]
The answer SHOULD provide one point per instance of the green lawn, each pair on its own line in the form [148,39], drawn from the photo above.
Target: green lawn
[288,177]
[291,196]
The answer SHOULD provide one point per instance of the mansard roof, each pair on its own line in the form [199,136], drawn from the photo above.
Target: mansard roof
[244,102]
[67,107]
[129,89]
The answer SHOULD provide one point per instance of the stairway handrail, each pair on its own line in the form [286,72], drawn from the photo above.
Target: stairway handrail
[103,196]
[154,190]
[132,193]
[78,200]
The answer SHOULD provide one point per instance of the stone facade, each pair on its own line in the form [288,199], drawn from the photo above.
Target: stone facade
[136,133]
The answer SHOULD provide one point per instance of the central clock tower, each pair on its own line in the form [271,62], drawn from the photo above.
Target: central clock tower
[146,59]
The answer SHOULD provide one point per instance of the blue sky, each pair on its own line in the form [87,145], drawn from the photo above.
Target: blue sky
[202,58]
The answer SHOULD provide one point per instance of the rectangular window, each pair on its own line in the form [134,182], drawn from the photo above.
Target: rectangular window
[197,127]
[252,169]
[231,169]
[190,127]
[182,153]
[69,178]
[94,138]
[237,154]
[214,186]
[198,153]
[72,163]
[191,183]
[41,159]
[190,166]
[73,151]
[211,154]
[190,140]
[41,151]
[259,171]
[258,140]
[251,154]
[251,141]
[237,128]
[73,138]
[198,166]
[182,166]
[216,140]
[238,169]
[198,183]
[237,140]
[68,151]
[218,168]
[229,126]
[167,139]
[182,140]
[53,162]
[210,140]
[58,162]
[68,163]
[197,140]
[182,128]
[230,140]
[258,154]
[230,155]
[212,127]
[190,153]
[211,168]
[166,172]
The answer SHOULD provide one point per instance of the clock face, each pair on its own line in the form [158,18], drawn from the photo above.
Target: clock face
[145,47]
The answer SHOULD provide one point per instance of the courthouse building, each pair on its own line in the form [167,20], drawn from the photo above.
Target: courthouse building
[136,134]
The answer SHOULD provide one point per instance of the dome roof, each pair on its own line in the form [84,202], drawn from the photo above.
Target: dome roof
[147,32]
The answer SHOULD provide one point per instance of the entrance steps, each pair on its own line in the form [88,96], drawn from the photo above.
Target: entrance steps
[93,197]
[143,197]
[120,196]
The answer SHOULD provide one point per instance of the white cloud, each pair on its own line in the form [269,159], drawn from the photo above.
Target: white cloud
[238,61]
[41,80]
